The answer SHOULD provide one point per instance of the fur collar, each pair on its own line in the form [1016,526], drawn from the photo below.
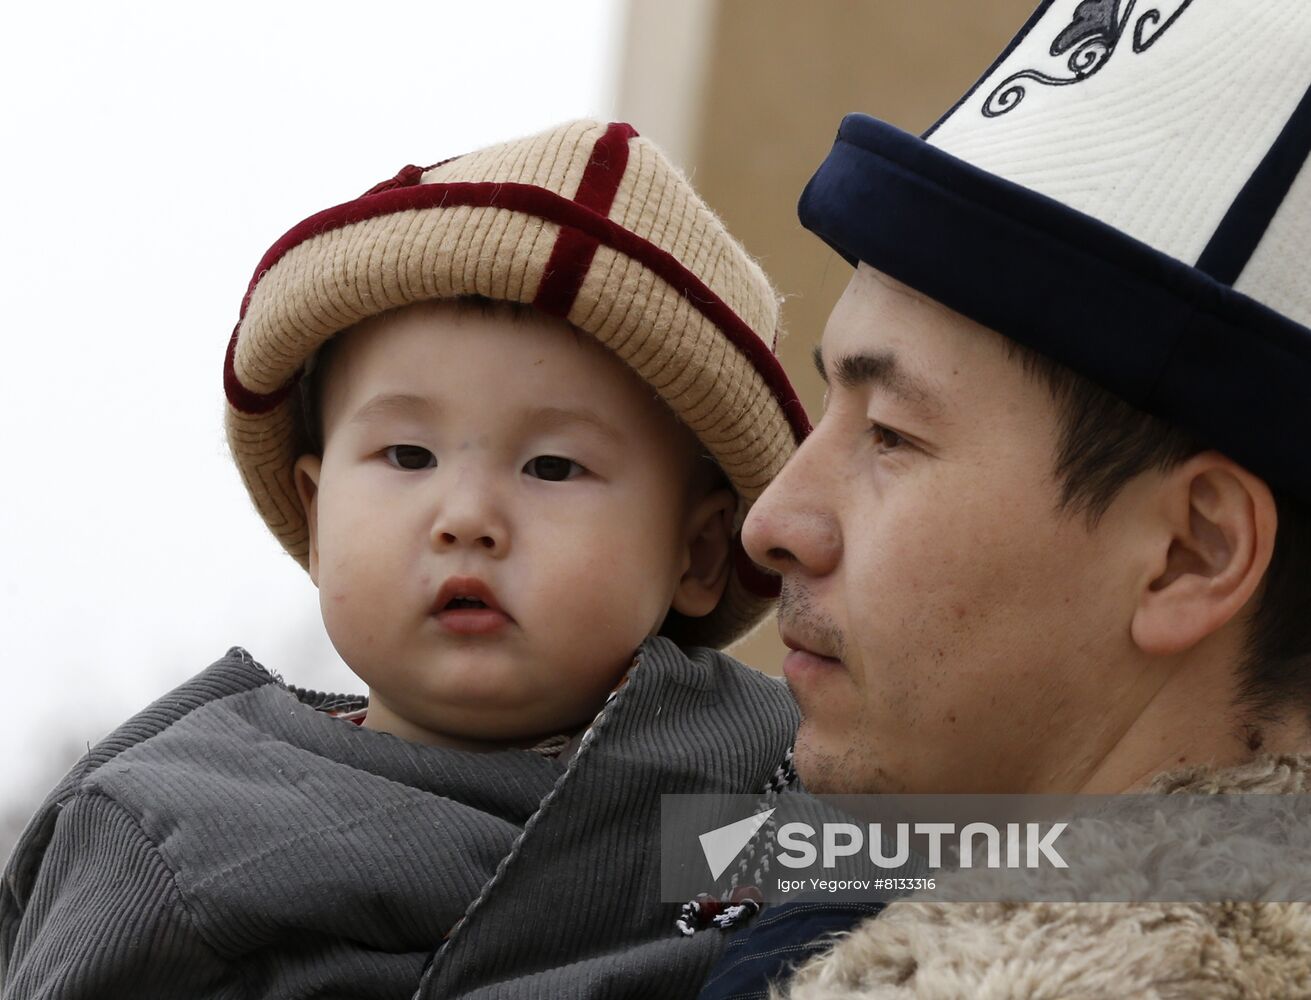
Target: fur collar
[1081,951]
[1282,774]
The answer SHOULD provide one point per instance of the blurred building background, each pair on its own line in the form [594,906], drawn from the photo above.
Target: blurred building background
[748,94]
[169,145]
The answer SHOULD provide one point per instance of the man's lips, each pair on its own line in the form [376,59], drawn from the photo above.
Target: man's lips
[804,664]
[797,643]
[466,606]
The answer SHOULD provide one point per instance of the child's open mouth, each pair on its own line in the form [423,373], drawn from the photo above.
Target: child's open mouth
[463,602]
[467,606]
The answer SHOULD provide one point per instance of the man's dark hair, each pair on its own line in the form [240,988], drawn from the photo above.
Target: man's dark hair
[1104,443]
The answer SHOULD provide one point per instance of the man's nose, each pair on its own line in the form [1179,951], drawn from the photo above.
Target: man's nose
[792,528]
[469,514]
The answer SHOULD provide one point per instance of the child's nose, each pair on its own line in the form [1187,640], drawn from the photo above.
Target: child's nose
[468,517]
[449,538]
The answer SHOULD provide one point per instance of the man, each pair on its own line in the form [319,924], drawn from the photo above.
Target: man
[1053,532]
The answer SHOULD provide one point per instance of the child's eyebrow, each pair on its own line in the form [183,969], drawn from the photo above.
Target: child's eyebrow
[393,404]
[547,418]
[551,417]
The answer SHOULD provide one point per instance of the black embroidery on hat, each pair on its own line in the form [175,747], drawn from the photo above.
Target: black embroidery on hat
[1090,38]
[1142,43]
[1092,19]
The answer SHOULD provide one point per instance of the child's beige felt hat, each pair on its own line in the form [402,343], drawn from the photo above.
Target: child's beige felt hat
[588,222]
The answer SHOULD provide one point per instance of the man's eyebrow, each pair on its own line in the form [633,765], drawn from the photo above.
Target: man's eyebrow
[854,371]
[551,417]
[387,404]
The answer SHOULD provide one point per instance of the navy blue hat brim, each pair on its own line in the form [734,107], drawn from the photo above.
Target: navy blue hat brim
[1155,331]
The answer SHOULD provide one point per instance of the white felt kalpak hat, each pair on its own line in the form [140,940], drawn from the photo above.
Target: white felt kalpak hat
[1126,190]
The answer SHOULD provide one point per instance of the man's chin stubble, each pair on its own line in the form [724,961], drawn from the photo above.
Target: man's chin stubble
[849,771]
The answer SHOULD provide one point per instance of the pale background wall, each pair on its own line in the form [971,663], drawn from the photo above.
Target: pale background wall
[153,151]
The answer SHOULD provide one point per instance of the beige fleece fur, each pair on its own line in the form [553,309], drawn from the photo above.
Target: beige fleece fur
[1080,951]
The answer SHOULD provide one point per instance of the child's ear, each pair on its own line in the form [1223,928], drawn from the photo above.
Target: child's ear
[306,472]
[707,545]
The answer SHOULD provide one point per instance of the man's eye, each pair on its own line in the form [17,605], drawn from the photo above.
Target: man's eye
[886,438]
[552,468]
[411,456]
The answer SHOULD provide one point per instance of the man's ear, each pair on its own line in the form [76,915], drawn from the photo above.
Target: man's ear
[1216,535]
[708,542]
[306,472]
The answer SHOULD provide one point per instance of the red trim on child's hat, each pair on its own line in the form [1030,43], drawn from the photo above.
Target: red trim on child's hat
[548,205]
[243,399]
[573,251]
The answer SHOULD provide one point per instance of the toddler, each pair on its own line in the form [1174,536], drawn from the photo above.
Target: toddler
[509,412]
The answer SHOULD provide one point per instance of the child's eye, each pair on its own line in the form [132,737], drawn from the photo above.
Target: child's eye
[411,456]
[552,468]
